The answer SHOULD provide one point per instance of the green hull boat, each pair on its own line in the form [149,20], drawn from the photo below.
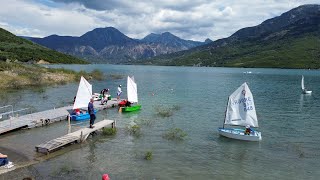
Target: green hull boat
[131,108]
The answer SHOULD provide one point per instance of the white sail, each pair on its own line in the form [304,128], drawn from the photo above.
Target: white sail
[240,109]
[302,83]
[132,90]
[84,94]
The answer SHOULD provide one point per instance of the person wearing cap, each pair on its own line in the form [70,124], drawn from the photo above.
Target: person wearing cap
[119,92]
[248,130]
[91,112]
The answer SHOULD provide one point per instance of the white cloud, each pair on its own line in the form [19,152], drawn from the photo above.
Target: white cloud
[39,20]
[188,19]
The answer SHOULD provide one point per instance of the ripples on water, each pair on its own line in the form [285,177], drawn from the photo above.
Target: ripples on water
[288,120]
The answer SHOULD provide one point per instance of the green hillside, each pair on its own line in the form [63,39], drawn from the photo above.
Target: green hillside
[15,48]
[302,52]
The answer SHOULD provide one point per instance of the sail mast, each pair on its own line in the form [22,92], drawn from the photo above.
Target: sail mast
[225,113]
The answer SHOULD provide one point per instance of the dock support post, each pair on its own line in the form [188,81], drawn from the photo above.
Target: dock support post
[113,125]
[69,125]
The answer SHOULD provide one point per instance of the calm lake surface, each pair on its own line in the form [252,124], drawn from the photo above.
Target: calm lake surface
[289,122]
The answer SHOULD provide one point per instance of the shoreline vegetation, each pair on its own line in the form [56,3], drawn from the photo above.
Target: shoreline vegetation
[21,59]
[18,75]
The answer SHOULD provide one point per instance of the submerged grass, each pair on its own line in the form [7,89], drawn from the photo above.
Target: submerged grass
[109,131]
[62,171]
[175,134]
[148,155]
[166,111]
[144,122]
[134,130]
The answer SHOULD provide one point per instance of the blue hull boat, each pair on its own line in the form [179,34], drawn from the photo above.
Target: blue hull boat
[82,116]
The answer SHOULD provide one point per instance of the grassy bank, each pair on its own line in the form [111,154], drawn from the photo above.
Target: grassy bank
[17,75]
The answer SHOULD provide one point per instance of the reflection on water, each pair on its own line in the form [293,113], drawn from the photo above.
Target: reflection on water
[305,98]
[288,121]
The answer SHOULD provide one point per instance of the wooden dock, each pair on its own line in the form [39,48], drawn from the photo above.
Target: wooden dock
[74,137]
[45,117]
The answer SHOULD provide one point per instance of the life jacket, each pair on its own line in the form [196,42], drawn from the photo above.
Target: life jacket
[122,103]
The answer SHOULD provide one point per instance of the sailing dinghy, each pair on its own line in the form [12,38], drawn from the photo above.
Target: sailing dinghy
[132,96]
[82,100]
[241,112]
[304,90]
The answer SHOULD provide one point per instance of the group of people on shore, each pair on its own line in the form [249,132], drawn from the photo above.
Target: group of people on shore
[105,95]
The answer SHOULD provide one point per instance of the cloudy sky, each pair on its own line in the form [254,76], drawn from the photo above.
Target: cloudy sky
[187,19]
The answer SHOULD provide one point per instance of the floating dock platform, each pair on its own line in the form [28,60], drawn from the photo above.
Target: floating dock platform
[74,137]
[45,117]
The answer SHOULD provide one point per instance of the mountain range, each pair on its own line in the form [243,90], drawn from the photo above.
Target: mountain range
[291,40]
[109,45]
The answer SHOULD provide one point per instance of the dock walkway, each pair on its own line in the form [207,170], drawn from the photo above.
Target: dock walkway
[77,136]
[45,117]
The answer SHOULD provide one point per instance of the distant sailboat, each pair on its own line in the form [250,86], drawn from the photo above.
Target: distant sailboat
[304,90]
[132,93]
[84,94]
[241,112]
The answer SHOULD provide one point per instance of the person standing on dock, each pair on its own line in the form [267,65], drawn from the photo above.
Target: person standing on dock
[91,112]
[119,92]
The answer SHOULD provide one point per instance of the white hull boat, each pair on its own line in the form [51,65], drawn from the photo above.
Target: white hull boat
[241,111]
[239,134]
[304,90]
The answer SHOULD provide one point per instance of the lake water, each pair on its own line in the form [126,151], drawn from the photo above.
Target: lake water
[288,120]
